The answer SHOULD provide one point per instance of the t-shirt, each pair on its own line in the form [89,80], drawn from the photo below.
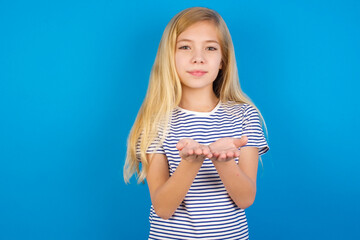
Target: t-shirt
[207,211]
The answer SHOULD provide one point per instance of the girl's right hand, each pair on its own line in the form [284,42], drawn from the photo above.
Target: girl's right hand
[192,151]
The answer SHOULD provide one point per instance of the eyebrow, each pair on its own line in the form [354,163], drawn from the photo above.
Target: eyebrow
[188,40]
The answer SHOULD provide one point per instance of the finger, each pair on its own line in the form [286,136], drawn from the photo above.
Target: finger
[230,154]
[198,151]
[239,142]
[182,143]
[187,151]
[216,154]
[222,156]
[209,155]
[205,150]
[190,151]
[237,153]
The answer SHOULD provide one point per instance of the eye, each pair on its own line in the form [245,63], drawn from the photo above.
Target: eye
[211,48]
[184,47]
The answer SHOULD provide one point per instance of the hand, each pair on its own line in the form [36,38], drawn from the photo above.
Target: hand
[225,149]
[191,150]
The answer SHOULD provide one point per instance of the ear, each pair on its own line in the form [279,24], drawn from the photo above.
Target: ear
[221,64]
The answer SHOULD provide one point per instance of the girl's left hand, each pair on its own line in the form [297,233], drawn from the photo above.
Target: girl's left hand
[226,149]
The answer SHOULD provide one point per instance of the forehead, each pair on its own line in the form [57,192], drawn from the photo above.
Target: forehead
[204,30]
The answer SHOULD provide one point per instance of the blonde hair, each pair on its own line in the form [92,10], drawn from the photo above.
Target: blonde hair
[164,90]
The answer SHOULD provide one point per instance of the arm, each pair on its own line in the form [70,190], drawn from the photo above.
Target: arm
[238,179]
[167,192]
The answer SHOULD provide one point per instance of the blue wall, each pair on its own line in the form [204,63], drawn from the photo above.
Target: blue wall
[74,73]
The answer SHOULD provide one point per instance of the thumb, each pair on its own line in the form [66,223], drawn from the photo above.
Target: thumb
[240,142]
[181,144]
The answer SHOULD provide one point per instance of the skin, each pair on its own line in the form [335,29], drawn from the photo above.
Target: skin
[201,50]
[198,48]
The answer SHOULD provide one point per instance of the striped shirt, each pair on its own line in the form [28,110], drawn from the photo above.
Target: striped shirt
[207,211]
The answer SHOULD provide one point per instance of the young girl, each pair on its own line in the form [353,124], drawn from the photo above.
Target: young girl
[197,136]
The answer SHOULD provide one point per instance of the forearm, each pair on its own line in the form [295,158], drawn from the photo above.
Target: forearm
[169,196]
[239,186]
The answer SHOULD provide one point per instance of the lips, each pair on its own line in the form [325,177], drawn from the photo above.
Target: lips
[197,72]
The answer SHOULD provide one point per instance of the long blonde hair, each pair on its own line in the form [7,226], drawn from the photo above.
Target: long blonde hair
[164,90]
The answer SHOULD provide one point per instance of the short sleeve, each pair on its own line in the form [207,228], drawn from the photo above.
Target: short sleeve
[156,146]
[251,127]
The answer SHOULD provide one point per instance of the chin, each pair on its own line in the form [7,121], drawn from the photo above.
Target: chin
[197,86]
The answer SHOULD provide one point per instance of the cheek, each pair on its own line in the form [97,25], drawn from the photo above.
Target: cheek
[220,61]
[179,61]
[217,62]
[176,63]
[178,67]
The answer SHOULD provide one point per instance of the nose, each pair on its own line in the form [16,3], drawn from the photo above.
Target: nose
[198,57]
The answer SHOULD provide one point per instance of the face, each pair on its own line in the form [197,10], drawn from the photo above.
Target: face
[198,56]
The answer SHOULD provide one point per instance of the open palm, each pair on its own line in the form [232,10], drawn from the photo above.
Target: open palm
[191,150]
[225,149]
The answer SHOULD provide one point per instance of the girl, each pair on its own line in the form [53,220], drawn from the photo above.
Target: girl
[197,136]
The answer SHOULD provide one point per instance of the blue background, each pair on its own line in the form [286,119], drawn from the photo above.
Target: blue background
[73,75]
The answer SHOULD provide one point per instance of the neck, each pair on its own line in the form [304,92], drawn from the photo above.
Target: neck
[198,100]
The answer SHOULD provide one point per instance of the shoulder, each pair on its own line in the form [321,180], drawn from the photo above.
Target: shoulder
[239,108]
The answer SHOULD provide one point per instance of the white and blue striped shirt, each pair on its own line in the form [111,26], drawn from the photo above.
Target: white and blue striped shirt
[207,211]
